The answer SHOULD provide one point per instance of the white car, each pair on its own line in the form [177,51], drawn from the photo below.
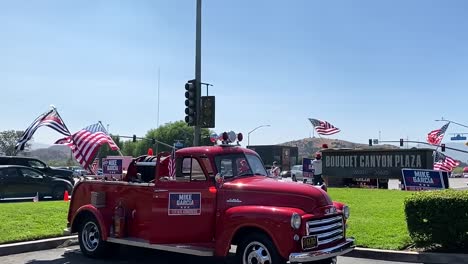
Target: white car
[296,173]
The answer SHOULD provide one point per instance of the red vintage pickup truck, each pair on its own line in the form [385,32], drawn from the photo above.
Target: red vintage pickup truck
[202,201]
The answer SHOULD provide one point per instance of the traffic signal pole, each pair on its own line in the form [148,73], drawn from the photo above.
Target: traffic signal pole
[197,130]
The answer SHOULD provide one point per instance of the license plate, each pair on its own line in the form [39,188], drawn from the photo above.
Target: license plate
[309,242]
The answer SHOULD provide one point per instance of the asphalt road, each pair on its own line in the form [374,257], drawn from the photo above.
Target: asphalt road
[72,255]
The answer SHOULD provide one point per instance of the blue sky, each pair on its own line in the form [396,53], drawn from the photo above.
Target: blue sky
[364,66]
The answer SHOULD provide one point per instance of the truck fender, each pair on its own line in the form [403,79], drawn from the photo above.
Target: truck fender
[95,212]
[273,221]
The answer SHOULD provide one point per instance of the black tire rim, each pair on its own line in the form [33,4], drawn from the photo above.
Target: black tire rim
[256,253]
[90,236]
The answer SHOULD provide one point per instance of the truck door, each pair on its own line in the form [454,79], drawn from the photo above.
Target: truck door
[184,207]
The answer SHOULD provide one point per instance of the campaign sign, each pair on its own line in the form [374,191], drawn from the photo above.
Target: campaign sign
[417,180]
[307,168]
[184,204]
[112,166]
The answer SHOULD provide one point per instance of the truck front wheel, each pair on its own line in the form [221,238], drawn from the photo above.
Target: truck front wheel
[257,248]
[90,238]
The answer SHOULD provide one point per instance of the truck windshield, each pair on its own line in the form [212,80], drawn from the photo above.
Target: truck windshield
[233,165]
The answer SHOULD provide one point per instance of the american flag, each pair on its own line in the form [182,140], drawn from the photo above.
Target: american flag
[50,119]
[444,163]
[172,164]
[435,136]
[323,127]
[95,166]
[86,142]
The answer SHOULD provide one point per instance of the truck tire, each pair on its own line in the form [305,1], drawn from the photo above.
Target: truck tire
[258,248]
[90,238]
[58,192]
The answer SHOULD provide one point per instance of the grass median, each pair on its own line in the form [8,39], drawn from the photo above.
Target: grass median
[377,218]
[22,221]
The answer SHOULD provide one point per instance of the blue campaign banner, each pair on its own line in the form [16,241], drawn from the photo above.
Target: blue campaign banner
[184,204]
[112,166]
[307,167]
[417,180]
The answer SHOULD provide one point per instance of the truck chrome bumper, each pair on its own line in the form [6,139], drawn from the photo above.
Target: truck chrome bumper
[325,253]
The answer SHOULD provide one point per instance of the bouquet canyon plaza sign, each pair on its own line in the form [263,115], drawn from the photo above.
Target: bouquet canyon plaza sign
[374,163]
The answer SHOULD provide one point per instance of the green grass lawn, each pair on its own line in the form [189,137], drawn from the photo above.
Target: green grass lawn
[30,221]
[377,216]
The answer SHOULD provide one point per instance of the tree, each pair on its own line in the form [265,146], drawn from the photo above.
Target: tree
[170,133]
[105,150]
[8,141]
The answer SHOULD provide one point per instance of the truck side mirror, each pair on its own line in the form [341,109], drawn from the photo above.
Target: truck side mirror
[219,178]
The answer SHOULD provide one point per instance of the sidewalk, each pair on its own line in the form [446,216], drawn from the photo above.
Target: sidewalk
[378,254]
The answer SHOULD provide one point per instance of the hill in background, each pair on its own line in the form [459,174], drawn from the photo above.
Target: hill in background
[308,146]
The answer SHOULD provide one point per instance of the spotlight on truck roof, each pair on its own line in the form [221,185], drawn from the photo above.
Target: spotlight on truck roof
[240,137]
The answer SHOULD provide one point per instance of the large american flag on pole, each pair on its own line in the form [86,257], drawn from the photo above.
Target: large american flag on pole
[323,127]
[444,163]
[86,142]
[435,136]
[50,119]
[172,164]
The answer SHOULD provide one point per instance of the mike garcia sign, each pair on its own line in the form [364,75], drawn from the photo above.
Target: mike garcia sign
[374,163]
[417,180]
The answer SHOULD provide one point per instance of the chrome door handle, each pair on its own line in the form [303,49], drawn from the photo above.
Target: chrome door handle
[160,190]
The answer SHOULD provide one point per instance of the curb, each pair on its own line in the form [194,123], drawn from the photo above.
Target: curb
[408,256]
[36,245]
[366,253]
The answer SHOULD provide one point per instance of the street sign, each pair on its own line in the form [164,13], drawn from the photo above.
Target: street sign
[458,137]
[417,180]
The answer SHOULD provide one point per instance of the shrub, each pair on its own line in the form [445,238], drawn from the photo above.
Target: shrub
[438,218]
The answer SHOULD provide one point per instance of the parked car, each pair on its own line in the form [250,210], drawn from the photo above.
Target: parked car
[296,173]
[21,181]
[39,165]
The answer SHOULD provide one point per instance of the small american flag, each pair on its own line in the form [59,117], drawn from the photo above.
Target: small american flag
[444,163]
[323,127]
[95,166]
[86,142]
[435,136]
[172,164]
[50,119]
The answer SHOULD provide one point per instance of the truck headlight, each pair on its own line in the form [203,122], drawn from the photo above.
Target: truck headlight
[296,221]
[346,211]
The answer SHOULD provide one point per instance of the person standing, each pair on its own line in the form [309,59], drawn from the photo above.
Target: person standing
[317,164]
[275,170]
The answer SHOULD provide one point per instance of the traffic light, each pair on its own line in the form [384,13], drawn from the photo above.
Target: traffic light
[207,113]
[442,147]
[401,142]
[153,141]
[134,138]
[370,142]
[191,103]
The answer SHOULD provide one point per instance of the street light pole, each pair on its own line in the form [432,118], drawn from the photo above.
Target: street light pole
[248,134]
[197,128]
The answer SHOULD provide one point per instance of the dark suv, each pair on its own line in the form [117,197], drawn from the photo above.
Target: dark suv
[39,165]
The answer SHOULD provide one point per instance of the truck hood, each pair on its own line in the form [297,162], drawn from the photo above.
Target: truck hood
[264,191]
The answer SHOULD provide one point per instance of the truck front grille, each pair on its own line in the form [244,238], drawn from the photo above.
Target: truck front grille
[327,229]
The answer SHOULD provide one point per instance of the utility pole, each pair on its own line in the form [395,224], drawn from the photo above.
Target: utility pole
[197,130]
